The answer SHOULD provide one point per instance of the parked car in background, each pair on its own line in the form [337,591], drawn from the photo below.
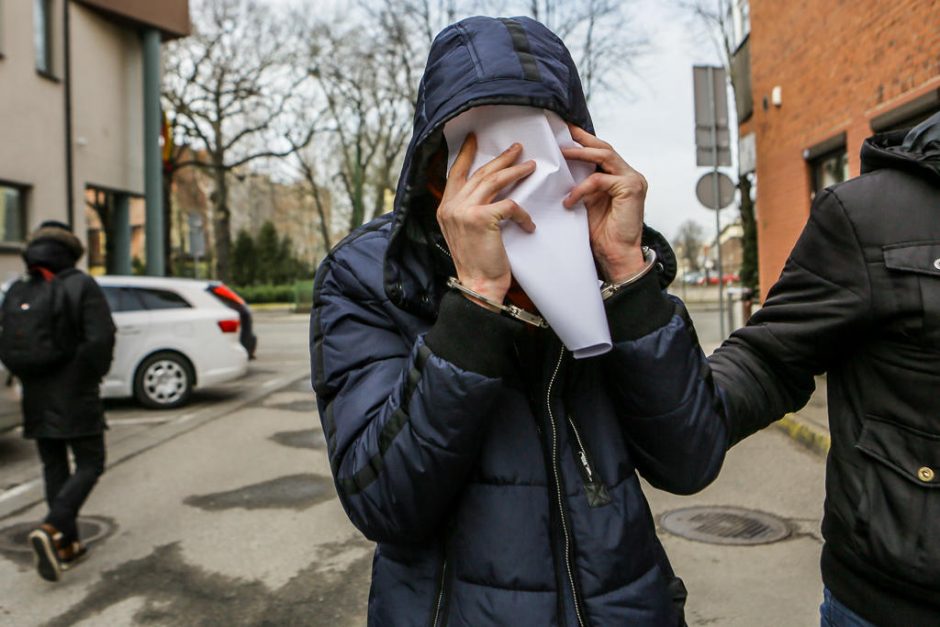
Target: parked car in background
[173,335]
[230,299]
[10,411]
[692,278]
[712,279]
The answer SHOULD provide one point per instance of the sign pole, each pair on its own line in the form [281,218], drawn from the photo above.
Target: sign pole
[714,130]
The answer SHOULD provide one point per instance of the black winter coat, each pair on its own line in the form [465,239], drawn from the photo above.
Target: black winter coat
[66,402]
[859,298]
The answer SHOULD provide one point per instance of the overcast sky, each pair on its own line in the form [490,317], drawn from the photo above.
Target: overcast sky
[651,125]
[653,129]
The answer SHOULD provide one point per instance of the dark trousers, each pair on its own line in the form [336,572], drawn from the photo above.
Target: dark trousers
[66,490]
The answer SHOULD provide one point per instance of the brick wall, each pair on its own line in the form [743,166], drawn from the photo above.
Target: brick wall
[839,64]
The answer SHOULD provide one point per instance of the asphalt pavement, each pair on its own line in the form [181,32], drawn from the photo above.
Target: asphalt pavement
[223,513]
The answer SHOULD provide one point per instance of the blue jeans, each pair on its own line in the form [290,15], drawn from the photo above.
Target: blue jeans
[834,614]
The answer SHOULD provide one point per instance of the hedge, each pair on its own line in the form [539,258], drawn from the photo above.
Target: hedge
[267,293]
[299,293]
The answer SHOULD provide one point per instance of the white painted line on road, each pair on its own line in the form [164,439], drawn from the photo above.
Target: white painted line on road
[186,417]
[270,383]
[156,420]
[18,490]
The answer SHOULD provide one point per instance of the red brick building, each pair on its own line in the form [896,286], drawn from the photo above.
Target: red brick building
[814,79]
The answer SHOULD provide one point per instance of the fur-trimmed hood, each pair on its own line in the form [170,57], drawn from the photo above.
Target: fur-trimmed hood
[53,246]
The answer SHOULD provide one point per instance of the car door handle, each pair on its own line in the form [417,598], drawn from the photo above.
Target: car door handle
[129,330]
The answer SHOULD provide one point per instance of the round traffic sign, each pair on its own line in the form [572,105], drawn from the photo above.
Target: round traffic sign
[705,190]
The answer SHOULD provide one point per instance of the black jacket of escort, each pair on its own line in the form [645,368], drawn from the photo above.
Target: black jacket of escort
[498,476]
[859,298]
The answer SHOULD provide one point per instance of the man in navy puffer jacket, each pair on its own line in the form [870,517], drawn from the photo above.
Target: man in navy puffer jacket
[499,476]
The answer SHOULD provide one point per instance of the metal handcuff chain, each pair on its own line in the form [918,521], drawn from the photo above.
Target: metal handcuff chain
[649,256]
[607,290]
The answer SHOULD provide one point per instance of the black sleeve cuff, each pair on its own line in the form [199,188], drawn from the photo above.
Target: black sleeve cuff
[638,309]
[472,337]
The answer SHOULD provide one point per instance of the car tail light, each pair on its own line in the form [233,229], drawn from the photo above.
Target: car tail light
[223,291]
[228,326]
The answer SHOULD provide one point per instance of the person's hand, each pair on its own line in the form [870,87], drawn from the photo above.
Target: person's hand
[470,220]
[614,198]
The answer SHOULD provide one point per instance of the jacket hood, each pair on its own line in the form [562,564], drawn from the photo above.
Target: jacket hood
[53,247]
[916,150]
[477,61]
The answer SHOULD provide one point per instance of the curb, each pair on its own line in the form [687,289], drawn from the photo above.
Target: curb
[813,438]
[278,307]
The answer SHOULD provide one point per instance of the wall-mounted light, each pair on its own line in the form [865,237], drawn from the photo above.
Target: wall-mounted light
[776,96]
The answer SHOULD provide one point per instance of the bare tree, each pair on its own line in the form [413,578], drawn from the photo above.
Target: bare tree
[227,89]
[716,19]
[307,166]
[366,76]
[366,66]
[688,243]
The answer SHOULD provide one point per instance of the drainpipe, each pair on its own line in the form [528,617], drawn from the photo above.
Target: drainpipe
[67,80]
[153,176]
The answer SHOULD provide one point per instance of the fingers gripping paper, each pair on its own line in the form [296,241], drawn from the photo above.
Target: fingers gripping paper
[554,265]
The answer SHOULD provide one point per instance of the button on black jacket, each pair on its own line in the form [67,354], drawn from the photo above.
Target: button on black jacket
[859,298]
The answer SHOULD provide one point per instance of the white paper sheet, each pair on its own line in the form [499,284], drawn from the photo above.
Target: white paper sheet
[554,265]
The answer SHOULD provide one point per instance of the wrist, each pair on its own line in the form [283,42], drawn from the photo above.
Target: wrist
[491,290]
[497,307]
[649,262]
[623,265]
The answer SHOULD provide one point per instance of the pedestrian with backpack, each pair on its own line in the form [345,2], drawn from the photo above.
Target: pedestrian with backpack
[57,337]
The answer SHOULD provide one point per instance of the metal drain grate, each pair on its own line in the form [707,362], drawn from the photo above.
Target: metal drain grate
[725,525]
[91,529]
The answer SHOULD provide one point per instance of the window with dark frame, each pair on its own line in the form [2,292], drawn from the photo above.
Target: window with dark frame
[161,299]
[42,35]
[13,213]
[122,299]
[909,114]
[142,299]
[737,33]
[828,169]
[828,163]
[2,23]
[908,122]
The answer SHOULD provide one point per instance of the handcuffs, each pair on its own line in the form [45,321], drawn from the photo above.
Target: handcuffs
[607,291]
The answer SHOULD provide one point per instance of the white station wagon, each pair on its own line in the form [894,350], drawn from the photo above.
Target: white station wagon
[173,335]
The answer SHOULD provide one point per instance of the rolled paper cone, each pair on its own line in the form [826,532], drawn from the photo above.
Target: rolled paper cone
[554,265]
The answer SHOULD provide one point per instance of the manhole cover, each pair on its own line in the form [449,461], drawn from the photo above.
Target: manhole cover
[725,525]
[91,529]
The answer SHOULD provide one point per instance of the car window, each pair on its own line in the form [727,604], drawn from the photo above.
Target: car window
[122,299]
[161,299]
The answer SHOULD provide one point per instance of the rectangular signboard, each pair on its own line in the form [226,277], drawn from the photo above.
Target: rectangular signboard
[712,137]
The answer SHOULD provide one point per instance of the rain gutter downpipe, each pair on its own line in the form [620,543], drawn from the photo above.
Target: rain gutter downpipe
[67,79]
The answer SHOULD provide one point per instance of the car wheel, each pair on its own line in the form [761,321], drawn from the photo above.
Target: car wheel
[163,381]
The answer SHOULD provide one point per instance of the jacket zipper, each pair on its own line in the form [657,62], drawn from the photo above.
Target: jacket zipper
[558,487]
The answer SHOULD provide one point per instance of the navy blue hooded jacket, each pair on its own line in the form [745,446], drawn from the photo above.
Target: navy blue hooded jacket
[498,476]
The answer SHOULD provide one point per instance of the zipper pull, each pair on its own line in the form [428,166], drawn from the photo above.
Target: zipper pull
[586,465]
